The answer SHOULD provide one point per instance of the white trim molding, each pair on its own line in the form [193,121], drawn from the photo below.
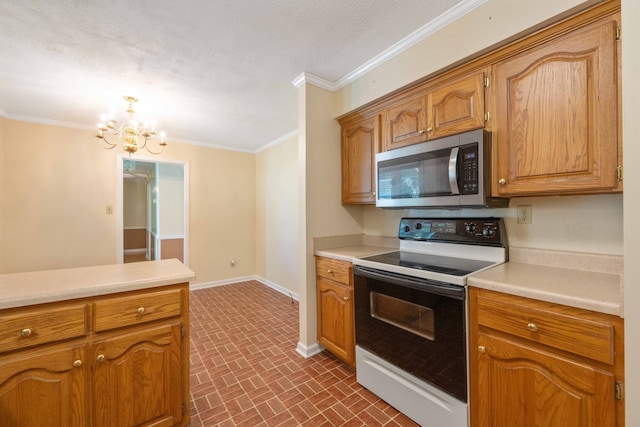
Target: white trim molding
[459,10]
[281,289]
[310,350]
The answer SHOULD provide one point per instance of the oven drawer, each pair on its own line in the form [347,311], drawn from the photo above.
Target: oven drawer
[334,269]
[557,326]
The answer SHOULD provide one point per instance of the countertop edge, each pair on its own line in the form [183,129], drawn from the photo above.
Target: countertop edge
[83,285]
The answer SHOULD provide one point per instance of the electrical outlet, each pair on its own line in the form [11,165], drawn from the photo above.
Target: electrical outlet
[109,209]
[524,214]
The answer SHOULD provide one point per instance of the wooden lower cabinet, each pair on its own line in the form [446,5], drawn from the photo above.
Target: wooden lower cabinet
[133,372]
[44,389]
[138,379]
[534,363]
[336,324]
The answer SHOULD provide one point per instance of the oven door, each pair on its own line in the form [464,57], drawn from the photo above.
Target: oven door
[415,324]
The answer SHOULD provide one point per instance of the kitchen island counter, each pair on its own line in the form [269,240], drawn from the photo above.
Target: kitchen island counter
[39,287]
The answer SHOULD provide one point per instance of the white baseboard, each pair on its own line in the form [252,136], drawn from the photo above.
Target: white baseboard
[309,351]
[262,280]
[135,251]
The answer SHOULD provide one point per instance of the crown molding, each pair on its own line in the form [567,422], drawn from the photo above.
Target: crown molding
[420,34]
[277,141]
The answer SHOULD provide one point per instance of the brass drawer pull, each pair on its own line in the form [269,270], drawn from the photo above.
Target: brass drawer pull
[502,181]
[330,271]
[77,363]
[100,358]
[532,327]
[141,310]
[25,332]
[482,348]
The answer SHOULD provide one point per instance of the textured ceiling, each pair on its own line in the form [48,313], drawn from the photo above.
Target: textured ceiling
[210,72]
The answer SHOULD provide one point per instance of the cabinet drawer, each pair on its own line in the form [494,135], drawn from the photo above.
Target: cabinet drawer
[42,325]
[334,269]
[138,308]
[549,324]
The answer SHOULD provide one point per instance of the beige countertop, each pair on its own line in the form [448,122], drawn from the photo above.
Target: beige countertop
[22,289]
[348,253]
[554,276]
[601,292]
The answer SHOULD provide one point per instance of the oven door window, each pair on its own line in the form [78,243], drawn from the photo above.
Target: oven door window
[405,315]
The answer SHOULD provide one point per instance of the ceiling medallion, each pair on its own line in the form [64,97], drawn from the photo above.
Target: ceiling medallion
[134,133]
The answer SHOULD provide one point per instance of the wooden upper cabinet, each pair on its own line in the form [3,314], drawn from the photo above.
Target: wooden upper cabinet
[456,107]
[442,110]
[405,124]
[556,128]
[360,143]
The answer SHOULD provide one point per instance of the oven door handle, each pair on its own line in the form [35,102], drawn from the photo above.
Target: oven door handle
[431,286]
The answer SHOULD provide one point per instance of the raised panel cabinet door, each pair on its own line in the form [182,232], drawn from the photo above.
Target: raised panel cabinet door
[44,389]
[456,107]
[556,115]
[335,319]
[360,143]
[138,379]
[405,124]
[525,386]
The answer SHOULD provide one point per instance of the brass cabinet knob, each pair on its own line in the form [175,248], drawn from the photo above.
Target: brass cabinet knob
[429,129]
[329,271]
[421,131]
[25,332]
[100,358]
[482,348]
[532,327]
[346,298]
[77,363]
[141,310]
[373,193]
[502,181]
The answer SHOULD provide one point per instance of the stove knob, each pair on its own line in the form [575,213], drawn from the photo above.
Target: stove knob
[470,227]
[488,232]
[418,226]
[407,229]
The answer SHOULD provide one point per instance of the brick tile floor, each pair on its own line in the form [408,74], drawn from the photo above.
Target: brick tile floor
[245,370]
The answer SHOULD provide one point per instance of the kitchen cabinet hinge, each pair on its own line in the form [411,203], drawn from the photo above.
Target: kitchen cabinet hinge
[487,116]
[619,390]
[486,82]
[182,331]
[184,408]
[618,33]
[619,173]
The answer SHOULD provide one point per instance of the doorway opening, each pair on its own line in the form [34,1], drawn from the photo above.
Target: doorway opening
[152,210]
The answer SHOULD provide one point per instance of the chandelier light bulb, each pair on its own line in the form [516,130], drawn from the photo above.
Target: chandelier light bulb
[134,133]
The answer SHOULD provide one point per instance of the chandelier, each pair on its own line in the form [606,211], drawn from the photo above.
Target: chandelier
[134,134]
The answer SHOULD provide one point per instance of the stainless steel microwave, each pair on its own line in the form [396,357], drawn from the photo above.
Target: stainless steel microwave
[450,172]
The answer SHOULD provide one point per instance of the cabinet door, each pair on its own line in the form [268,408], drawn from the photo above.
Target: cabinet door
[405,124]
[43,389]
[456,107]
[529,387]
[138,379]
[335,319]
[556,115]
[360,143]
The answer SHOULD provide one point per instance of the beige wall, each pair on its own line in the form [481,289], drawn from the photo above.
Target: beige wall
[57,182]
[277,256]
[134,212]
[631,112]
[2,258]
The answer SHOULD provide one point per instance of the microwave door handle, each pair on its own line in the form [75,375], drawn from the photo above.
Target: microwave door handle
[453,170]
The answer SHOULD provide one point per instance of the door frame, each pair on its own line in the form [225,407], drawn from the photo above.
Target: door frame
[119,208]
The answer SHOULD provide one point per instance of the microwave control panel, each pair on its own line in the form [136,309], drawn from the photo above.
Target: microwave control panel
[469,169]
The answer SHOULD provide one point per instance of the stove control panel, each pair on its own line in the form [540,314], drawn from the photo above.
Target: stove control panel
[473,231]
